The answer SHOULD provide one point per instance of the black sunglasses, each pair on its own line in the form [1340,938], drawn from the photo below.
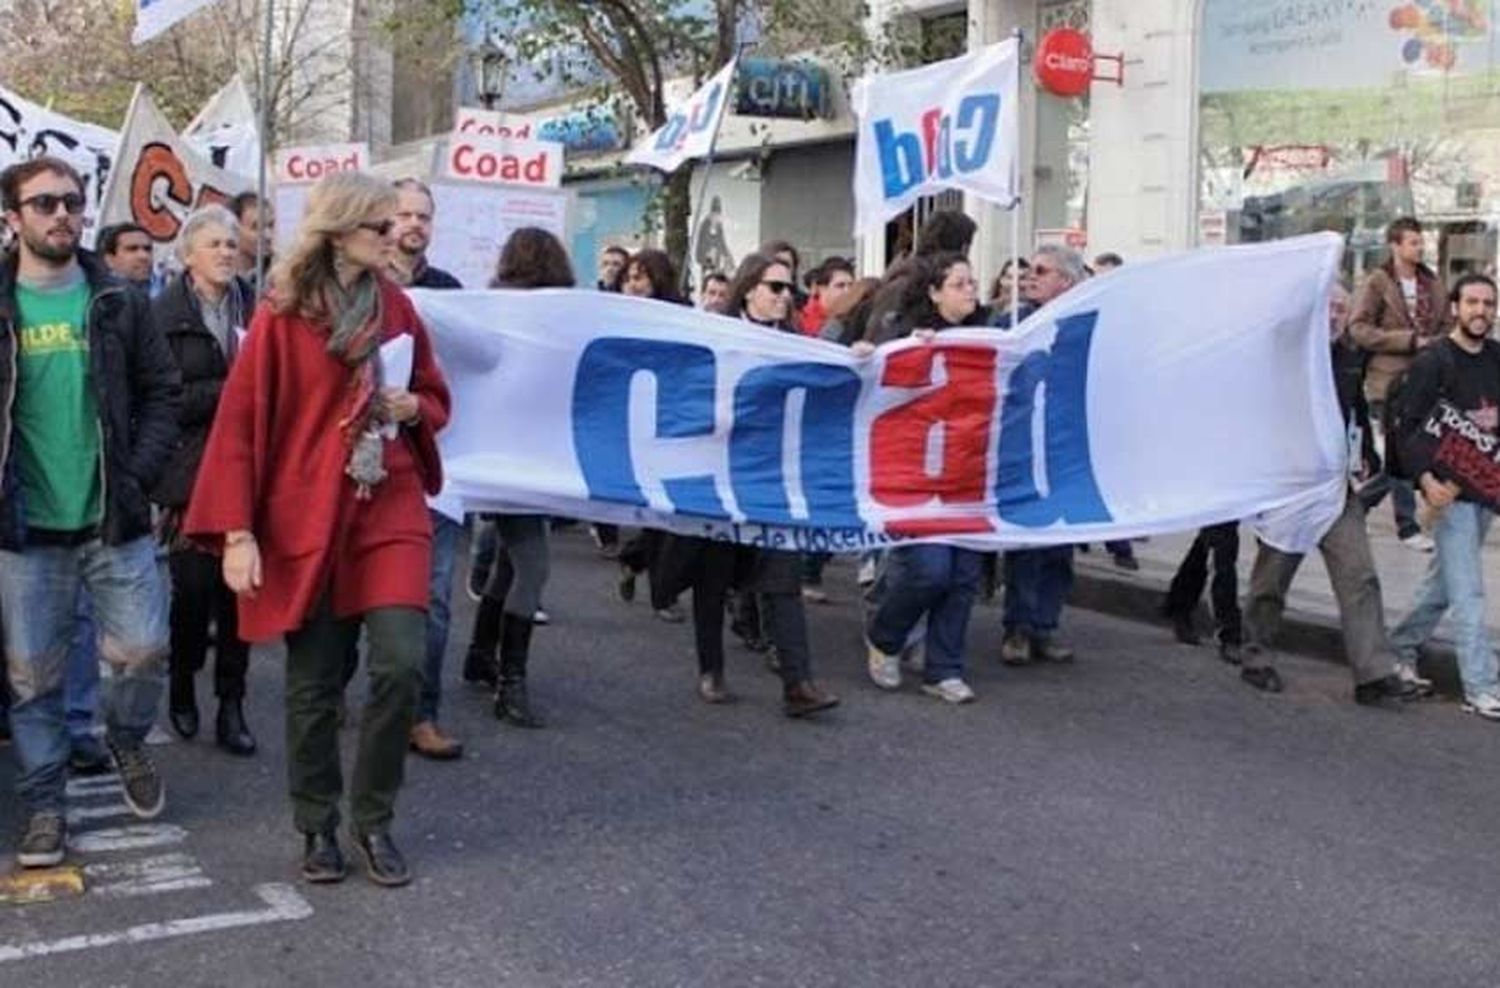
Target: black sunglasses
[779,287]
[46,203]
[381,229]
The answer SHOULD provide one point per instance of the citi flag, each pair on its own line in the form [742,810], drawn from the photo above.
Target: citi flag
[949,125]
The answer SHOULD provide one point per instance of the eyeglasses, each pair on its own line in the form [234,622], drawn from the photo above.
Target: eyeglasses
[779,287]
[381,229]
[46,203]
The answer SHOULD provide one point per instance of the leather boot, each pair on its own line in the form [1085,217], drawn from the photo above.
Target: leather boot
[230,729]
[183,707]
[511,701]
[479,661]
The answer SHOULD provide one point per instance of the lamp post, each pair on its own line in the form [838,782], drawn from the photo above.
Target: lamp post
[489,63]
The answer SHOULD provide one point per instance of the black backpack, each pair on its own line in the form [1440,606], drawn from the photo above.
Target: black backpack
[1398,422]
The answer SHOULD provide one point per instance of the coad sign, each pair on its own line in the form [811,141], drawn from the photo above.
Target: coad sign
[305,165]
[1064,63]
[492,123]
[504,161]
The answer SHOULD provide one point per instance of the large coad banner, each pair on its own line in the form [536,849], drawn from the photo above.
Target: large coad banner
[28,130]
[949,125]
[1166,396]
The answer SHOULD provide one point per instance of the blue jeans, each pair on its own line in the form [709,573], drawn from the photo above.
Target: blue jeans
[39,591]
[1037,583]
[445,535]
[81,689]
[938,581]
[1455,580]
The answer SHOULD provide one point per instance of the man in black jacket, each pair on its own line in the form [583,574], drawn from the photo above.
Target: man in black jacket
[89,419]
[1346,555]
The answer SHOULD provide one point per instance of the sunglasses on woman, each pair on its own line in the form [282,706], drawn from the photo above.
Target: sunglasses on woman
[779,287]
[381,229]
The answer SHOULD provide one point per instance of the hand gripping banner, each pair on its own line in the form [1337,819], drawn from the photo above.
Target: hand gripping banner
[1166,396]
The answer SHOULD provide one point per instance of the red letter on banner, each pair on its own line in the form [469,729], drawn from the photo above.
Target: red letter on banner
[963,408]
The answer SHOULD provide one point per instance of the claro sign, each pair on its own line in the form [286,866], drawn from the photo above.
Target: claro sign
[1064,63]
[503,161]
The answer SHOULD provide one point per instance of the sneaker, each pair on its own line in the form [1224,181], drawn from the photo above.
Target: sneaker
[814,595]
[1419,542]
[44,842]
[914,657]
[1015,650]
[1409,674]
[541,617]
[144,791]
[953,690]
[671,614]
[1047,648]
[1390,687]
[885,670]
[1486,705]
[87,757]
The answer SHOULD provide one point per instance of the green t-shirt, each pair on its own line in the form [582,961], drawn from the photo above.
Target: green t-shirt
[56,419]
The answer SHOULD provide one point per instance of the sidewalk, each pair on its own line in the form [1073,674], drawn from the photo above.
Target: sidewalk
[1311,625]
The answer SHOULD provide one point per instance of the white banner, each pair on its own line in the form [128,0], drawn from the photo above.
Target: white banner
[28,130]
[297,170]
[503,161]
[949,125]
[691,127]
[158,179]
[152,17]
[226,130]
[1117,411]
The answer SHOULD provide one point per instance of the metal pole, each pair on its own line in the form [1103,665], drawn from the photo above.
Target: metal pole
[266,138]
[1015,203]
[708,167]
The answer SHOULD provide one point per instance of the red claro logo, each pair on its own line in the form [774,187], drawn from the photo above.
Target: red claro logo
[1064,63]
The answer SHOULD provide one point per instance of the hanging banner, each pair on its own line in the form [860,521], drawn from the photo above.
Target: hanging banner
[28,130]
[503,161]
[949,125]
[297,170]
[691,127]
[158,179]
[1116,411]
[152,17]
[226,130]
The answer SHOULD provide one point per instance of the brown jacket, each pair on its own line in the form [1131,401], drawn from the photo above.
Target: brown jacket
[1381,324]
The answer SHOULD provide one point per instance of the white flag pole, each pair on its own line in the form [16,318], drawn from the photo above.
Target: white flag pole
[708,167]
[267,141]
[1015,201]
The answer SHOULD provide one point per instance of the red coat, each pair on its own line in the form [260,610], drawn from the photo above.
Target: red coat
[274,465]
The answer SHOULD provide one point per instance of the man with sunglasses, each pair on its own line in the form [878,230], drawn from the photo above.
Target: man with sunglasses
[88,421]
[1038,581]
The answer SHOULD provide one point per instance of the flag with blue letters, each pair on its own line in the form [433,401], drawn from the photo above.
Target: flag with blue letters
[691,127]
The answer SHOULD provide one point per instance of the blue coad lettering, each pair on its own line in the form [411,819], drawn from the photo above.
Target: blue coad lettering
[1072,490]
[601,417]
[757,449]
[941,148]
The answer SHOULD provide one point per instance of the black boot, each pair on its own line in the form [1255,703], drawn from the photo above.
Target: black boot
[183,707]
[231,730]
[511,702]
[479,661]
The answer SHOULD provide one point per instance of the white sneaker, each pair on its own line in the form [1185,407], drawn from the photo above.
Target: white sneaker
[1408,674]
[885,669]
[914,657]
[1419,542]
[953,690]
[1486,705]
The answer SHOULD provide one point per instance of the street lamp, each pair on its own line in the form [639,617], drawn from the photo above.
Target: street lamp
[489,62]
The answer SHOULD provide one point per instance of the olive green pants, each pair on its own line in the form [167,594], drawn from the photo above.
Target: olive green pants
[315,676]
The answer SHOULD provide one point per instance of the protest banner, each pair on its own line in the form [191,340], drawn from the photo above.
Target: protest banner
[503,161]
[471,122]
[28,130]
[473,221]
[297,170]
[1116,411]
[691,129]
[226,130]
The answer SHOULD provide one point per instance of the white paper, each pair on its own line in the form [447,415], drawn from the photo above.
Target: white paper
[395,362]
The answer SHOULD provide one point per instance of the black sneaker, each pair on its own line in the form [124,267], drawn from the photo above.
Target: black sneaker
[383,861]
[1385,688]
[322,859]
[44,842]
[145,793]
[1047,648]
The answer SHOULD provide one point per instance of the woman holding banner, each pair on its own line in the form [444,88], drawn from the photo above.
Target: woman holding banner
[761,294]
[312,487]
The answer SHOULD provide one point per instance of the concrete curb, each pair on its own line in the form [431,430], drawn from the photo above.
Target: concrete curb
[1138,597]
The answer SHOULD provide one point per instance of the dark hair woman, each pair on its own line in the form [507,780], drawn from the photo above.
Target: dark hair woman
[760,294]
[531,258]
[938,582]
[650,274]
[202,314]
[313,486]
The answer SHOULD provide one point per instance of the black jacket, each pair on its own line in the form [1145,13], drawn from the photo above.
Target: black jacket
[136,387]
[1349,380]
[431,277]
[204,366]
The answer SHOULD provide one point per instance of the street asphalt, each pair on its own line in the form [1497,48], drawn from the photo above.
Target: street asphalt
[1139,817]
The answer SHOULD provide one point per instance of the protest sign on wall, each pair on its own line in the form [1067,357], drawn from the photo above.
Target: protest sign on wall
[502,161]
[297,169]
[28,130]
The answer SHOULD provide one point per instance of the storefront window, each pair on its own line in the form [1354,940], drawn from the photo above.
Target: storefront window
[1318,115]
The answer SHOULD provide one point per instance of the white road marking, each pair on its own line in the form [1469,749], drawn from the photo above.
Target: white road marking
[96,786]
[148,876]
[283,904]
[78,814]
[127,838]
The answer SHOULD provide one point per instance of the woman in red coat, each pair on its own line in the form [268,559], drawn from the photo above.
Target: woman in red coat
[312,484]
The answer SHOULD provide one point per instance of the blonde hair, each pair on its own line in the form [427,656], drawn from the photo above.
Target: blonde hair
[200,220]
[337,205]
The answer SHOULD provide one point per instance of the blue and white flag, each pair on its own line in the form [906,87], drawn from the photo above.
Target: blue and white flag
[1119,410]
[152,17]
[691,127]
[950,125]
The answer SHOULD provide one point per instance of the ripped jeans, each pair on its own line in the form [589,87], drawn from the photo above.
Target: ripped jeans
[39,590]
